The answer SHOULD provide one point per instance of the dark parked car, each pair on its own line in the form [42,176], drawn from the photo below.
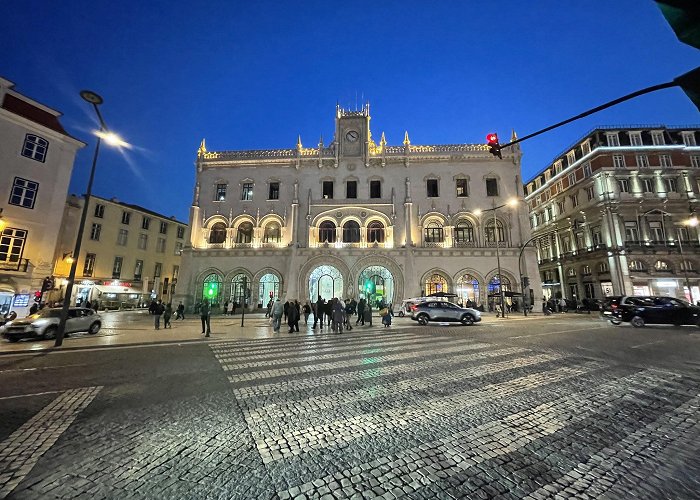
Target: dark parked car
[44,324]
[440,311]
[654,310]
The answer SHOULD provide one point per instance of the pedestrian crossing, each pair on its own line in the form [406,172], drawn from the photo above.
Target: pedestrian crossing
[424,414]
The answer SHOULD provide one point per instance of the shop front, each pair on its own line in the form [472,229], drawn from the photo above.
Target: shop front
[110,294]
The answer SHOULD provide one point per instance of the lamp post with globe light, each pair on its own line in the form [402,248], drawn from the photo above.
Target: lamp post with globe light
[113,140]
[691,222]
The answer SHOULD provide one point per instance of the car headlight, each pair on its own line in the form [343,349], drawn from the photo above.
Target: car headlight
[40,322]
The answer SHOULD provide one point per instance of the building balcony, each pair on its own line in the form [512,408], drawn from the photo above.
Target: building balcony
[464,244]
[19,266]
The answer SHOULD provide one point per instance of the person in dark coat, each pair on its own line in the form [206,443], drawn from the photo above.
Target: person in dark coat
[180,313]
[328,311]
[292,317]
[319,312]
[286,310]
[360,312]
[167,314]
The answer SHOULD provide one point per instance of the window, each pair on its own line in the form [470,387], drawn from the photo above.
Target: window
[642,161]
[434,232]
[178,247]
[590,193]
[163,228]
[351,189]
[126,217]
[566,244]
[683,233]
[657,138]
[217,234]
[122,237]
[431,187]
[143,241]
[491,234]
[585,148]
[145,222]
[635,138]
[117,267]
[95,231]
[572,179]
[687,265]
[661,265]
[273,233]
[462,188]
[656,230]
[326,232]
[623,185]
[491,187]
[612,139]
[247,191]
[665,161]
[688,138]
[375,232]
[35,147]
[463,232]
[176,273]
[273,192]
[12,245]
[89,266]
[138,270]
[637,265]
[375,189]
[603,268]
[574,200]
[160,245]
[570,158]
[157,270]
[618,161]
[327,190]
[586,270]
[99,211]
[220,192]
[180,232]
[23,193]
[587,170]
[560,207]
[631,231]
[671,185]
[244,233]
[648,185]
[351,232]
[596,235]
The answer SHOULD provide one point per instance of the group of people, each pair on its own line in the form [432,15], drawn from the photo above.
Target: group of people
[159,308]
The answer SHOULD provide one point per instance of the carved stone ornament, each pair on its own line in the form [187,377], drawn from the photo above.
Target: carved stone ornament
[338,215]
[351,166]
[363,214]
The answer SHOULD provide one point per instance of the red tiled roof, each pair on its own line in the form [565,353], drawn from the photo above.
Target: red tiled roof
[30,112]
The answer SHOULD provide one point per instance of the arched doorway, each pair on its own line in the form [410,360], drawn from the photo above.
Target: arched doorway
[376,284]
[269,289]
[239,284]
[211,289]
[435,283]
[468,290]
[327,282]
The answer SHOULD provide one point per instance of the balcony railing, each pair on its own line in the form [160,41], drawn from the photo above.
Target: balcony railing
[18,266]
[464,243]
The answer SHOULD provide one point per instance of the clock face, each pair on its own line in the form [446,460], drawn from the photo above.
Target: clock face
[352,135]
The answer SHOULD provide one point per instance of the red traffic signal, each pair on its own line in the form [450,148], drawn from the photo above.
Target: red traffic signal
[494,146]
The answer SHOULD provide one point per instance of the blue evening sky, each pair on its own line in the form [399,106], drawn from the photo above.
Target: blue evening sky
[254,74]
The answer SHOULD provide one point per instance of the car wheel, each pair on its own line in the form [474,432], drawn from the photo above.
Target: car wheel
[423,319]
[94,328]
[637,322]
[401,314]
[50,332]
[615,322]
[467,319]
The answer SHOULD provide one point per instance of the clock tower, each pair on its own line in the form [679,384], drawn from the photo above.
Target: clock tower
[352,132]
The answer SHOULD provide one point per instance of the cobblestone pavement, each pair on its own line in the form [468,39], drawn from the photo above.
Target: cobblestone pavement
[413,413]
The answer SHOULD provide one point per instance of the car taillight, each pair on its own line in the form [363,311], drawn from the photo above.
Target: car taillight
[613,306]
[414,307]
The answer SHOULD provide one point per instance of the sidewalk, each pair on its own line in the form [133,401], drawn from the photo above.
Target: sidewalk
[224,328]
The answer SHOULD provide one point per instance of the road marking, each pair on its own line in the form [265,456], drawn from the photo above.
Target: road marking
[648,343]
[21,451]
[559,331]
[40,368]
[30,395]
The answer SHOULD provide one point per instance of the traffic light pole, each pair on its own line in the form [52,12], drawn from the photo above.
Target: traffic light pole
[520,264]
[245,298]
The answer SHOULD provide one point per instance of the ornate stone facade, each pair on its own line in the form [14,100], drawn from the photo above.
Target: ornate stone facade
[410,219]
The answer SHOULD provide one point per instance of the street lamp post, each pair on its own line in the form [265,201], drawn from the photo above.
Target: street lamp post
[103,133]
[692,222]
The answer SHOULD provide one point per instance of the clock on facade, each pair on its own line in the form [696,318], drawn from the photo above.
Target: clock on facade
[352,135]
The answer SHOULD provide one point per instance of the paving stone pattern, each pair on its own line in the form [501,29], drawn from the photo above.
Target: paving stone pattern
[402,414]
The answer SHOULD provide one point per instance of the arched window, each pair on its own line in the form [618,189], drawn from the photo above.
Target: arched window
[637,265]
[571,272]
[435,283]
[375,232]
[603,267]
[661,265]
[273,233]
[326,232]
[244,233]
[211,289]
[687,265]
[351,232]
[496,283]
[463,233]
[491,234]
[434,233]
[217,234]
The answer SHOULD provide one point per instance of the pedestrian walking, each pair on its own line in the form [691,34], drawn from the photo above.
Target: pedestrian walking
[276,312]
[562,305]
[348,314]
[269,309]
[360,312]
[205,316]
[328,311]
[167,314]
[319,312]
[307,311]
[386,317]
[180,312]
[338,313]
[158,310]
[230,308]
[286,310]
[368,314]
[292,317]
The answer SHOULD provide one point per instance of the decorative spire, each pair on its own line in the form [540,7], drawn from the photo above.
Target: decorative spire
[299,146]
[406,140]
[382,141]
[202,148]
[513,136]
[320,142]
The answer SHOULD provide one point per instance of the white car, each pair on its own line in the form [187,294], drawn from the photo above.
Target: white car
[44,324]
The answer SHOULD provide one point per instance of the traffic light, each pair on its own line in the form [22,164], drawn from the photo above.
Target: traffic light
[212,290]
[526,282]
[47,284]
[494,146]
[370,286]
[37,296]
